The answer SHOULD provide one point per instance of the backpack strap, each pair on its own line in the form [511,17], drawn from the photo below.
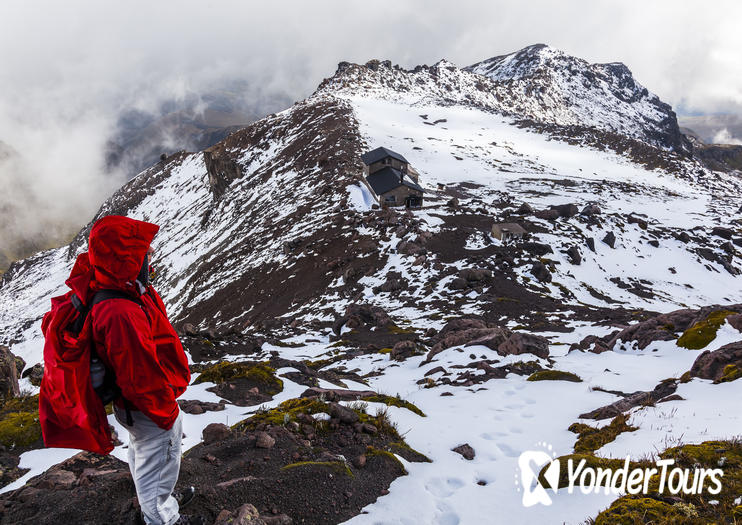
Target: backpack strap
[109,390]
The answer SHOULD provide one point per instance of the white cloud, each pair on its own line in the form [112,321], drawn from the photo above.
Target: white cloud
[69,67]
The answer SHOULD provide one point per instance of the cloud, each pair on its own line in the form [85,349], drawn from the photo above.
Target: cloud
[69,68]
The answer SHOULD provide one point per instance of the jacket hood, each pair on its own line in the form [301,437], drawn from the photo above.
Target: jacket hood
[80,277]
[116,250]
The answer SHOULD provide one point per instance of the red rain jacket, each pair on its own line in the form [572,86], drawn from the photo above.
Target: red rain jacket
[137,341]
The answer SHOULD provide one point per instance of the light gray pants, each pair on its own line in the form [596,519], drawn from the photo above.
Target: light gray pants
[154,462]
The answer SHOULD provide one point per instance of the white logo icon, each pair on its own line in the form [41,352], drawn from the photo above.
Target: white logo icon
[530,464]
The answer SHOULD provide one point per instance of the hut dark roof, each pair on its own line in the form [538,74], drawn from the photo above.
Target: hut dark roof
[377,154]
[388,178]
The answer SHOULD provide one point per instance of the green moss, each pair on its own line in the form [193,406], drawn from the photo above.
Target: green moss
[730,373]
[395,402]
[339,467]
[554,375]
[24,403]
[686,377]
[630,511]
[703,332]
[20,429]
[691,508]
[591,439]
[371,452]
[260,373]
[385,351]
[283,413]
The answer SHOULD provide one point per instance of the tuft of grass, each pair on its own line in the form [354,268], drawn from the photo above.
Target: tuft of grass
[372,451]
[395,402]
[703,332]
[554,375]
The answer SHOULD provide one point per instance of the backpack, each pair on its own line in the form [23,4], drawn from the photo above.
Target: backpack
[76,385]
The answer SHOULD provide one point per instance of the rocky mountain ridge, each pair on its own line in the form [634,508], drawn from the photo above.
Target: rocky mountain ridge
[287,282]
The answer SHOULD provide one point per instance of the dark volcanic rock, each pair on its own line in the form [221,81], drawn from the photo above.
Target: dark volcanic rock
[661,391]
[590,210]
[465,331]
[565,210]
[710,364]
[590,243]
[610,239]
[34,374]
[724,233]
[465,450]
[575,257]
[541,272]
[215,432]
[536,248]
[194,406]
[549,215]
[404,350]
[522,343]
[475,274]
[357,315]
[525,209]
[8,374]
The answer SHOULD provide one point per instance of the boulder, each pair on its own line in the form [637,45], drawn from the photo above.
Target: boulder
[711,364]
[465,450]
[264,440]
[8,374]
[458,283]
[724,233]
[522,343]
[525,209]
[541,272]
[357,315]
[590,242]
[683,237]
[549,215]
[343,413]
[590,210]
[633,219]
[337,394]
[610,239]
[194,406]
[575,257]
[475,274]
[34,374]
[537,248]
[216,432]
[466,330]
[565,210]
[403,350]
[492,338]
[394,282]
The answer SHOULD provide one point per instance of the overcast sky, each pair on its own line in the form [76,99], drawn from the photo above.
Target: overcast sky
[67,68]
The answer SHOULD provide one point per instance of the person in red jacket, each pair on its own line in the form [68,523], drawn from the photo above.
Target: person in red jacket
[135,340]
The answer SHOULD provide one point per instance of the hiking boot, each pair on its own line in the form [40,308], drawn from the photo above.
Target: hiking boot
[184,496]
[190,520]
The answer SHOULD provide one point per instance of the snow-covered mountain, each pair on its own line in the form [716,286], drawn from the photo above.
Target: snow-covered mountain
[272,234]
